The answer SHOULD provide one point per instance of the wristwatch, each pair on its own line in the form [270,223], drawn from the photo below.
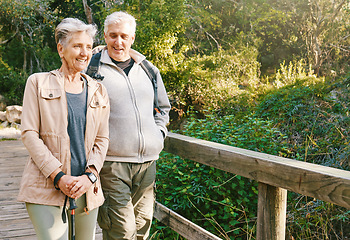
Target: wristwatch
[91,176]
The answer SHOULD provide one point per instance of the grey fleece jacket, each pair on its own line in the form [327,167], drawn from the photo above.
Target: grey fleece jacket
[135,133]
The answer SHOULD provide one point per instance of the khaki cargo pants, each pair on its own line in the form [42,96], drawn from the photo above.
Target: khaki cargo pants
[129,192]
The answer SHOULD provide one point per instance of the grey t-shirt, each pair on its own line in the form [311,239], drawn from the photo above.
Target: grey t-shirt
[76,129]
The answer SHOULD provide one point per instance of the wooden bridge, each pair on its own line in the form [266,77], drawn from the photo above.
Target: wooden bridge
[14,220]
[275,175]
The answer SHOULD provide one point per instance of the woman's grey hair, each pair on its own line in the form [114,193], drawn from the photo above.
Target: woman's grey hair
[118,17]
[69,26]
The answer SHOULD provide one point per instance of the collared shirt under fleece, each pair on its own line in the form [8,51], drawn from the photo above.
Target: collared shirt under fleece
[135,132]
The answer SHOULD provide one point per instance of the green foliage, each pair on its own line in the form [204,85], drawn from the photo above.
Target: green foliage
[160,24]
[69,8]
[214,81]
[159,232]
[11,84]
[295,115]
[27,30]
[276,24]
[295,71]
[314,219]
[314,114]
[309,111]
[248,132]
[221,202]
[211,55]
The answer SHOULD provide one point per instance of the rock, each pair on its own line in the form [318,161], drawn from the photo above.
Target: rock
[4,124]
[3,116]
[10,133]
[13,114]
[15,125]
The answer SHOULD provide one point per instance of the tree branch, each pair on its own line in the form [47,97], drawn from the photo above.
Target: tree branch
[88,12]
[8,40]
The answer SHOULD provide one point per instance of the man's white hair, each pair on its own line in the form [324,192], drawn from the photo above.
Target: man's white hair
[118,17]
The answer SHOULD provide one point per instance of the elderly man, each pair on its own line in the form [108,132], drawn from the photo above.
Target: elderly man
[137,133]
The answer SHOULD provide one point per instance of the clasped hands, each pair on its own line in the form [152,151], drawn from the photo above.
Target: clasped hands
[74,187]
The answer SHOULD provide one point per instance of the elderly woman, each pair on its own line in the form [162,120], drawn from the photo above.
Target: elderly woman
[65,130]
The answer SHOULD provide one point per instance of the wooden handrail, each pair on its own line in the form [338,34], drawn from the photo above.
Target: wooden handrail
[274,174]
[324,183]
[181,225]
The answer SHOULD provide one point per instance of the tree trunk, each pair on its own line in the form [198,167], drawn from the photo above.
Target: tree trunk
[88,12]
[24,60]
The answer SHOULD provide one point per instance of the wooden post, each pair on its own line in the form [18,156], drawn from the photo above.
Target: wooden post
[272,209]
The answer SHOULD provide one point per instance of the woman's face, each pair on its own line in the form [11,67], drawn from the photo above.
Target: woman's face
[76,53]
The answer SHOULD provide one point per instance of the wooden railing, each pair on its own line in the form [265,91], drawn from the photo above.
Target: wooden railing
[275,176]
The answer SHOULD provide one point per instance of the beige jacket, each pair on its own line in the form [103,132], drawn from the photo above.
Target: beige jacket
[44,134]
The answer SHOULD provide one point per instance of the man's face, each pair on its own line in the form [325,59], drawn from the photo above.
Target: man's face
[119,39]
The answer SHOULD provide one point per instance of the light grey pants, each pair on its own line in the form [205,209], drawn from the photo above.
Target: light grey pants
[48,222]
[129,192]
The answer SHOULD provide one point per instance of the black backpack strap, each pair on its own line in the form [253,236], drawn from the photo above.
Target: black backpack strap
[147,67]
[93,70]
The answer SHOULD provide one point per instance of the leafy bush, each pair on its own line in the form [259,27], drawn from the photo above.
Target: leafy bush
[248,132]
[304,118]
[216,81]
[309,218]
[221,202]
[315,121]
[314,114]
[11,84]
[207,196]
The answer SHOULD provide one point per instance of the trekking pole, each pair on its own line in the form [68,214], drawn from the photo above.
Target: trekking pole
[72,207]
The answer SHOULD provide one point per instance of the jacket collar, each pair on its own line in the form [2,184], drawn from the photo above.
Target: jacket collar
[60,78]
[93,85]
[138,57]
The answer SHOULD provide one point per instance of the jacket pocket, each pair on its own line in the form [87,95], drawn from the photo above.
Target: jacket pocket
[50,93]
[154,140]
[98,101]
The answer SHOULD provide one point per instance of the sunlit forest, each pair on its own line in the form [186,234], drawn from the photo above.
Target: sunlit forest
[264,75]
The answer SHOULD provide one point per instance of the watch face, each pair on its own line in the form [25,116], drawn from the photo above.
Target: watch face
[92,177]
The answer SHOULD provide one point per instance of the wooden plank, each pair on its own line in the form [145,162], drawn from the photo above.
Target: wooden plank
[181,225]
[272,209]
[9,183]
[18,233]
[15,224]
[15,215]
[10,195]
[31,237]
[324,183]
[10,208]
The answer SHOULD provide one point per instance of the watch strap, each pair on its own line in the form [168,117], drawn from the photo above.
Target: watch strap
[57,178]
[90,174]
